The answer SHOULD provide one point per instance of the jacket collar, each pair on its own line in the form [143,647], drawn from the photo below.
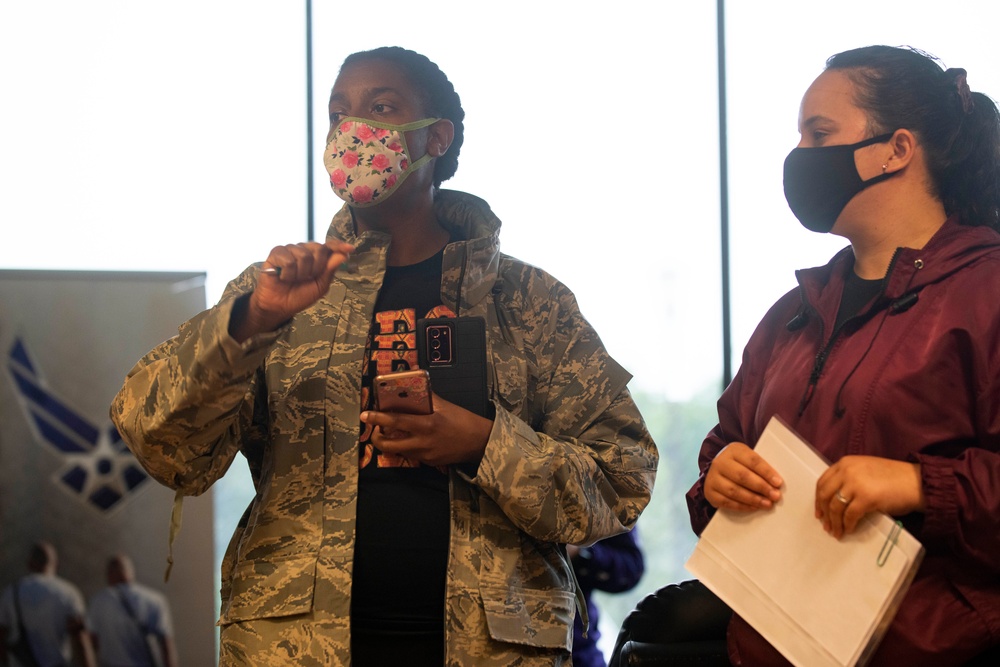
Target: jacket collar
[952,247]
[471,260]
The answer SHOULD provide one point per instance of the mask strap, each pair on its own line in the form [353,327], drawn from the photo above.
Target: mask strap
[882,138]
[878,179]
[876,140]
[415,125]
[419,162]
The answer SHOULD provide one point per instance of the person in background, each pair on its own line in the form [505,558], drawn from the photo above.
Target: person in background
[380,538]
[46,611]
[613,565]
[887,359]
[125,616]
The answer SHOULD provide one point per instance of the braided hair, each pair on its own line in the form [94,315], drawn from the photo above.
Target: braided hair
[437,92]
[902,87]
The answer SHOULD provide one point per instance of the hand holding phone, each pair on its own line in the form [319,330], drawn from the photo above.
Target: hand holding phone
[408,392]
[407,423]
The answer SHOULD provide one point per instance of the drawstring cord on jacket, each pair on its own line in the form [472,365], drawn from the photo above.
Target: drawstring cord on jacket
[496,291]
[897,306]
[175,529]
[461,278]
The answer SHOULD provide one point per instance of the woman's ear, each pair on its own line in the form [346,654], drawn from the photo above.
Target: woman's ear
[904,146]
[440,136]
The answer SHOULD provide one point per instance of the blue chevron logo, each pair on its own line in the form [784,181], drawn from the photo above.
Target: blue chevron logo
[98,468]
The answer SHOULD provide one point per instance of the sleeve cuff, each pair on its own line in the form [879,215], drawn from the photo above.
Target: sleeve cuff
[241,358]
[507,429]
[940,496]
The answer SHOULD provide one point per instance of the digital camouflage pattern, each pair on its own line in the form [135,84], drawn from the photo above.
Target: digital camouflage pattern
[569,459]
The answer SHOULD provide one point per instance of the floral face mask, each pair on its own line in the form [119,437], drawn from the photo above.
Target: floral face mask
[368,160]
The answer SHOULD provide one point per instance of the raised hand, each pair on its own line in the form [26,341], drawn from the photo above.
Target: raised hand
[302,275]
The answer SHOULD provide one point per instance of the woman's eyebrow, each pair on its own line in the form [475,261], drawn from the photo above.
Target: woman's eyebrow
[367,93]
[813,121]
[375,92]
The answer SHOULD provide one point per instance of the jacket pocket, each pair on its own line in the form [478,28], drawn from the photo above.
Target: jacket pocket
[270,588]
[535,618]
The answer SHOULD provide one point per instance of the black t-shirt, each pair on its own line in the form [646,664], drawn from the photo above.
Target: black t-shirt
[401,544]
[858,293]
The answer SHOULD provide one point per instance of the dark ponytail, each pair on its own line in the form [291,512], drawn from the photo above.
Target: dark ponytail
[959,130]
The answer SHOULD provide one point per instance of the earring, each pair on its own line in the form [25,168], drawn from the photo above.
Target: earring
[884,167]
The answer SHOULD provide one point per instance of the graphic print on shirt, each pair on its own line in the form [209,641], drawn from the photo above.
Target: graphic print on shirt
[392,347]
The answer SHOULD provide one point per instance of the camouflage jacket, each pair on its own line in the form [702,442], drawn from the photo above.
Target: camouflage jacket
[569,459]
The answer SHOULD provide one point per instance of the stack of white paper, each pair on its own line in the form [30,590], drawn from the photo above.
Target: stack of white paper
[818,600]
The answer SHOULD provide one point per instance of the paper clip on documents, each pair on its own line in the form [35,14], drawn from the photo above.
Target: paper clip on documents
[890,542]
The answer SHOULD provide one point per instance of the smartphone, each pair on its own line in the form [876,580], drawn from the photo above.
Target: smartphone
[405,391]
[453,351]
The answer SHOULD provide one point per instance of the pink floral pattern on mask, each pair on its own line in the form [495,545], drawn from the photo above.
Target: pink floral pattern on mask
[366,162]
[362,194]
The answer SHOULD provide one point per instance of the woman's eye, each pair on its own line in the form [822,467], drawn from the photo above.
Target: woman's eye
[381,108]
[335,116]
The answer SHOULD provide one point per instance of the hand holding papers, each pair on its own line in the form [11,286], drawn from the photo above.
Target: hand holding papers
[818,600]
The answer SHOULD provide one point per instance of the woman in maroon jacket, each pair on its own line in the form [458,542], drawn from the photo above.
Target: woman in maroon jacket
[887,359]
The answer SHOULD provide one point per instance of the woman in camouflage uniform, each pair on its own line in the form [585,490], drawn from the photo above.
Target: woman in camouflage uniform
[431,539]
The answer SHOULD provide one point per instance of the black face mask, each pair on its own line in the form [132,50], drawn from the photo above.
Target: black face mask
[820,181]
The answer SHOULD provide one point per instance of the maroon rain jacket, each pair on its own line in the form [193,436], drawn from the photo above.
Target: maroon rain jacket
[915,376]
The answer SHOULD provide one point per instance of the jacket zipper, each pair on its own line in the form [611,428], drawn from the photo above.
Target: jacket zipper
[824,353]
[817,369]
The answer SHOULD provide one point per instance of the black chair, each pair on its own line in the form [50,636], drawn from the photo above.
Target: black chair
[684,625]
[989,659]
[680,625]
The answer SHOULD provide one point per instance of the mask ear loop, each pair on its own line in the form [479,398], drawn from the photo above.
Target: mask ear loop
[885,165]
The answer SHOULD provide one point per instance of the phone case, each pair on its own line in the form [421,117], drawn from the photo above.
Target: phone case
[453,351]
[406,391]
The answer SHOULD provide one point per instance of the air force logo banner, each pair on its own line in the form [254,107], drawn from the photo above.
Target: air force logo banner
[97,467]
[67,339]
